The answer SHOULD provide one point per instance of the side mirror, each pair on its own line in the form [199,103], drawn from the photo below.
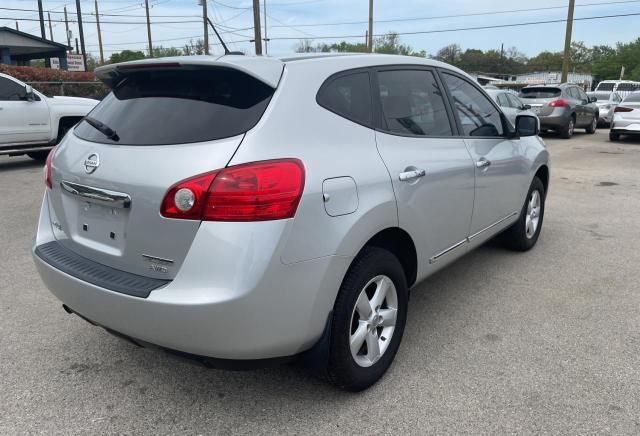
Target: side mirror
[526,107]
[526,125]
[593,99]
[28,93]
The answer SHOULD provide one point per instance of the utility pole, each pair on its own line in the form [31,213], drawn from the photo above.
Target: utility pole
[99,34]
[567,43]
[266,39]
[370,42]
[50,28]
[77,48]
[66,27]
[84,52]
[146,6]
[256,27]
[47,62]
[206,28]
[17,27]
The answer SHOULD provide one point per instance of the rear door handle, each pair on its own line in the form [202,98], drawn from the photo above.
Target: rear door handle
[408,176]
[483,163]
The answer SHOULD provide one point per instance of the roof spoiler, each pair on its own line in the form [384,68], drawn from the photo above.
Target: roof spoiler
[267,70]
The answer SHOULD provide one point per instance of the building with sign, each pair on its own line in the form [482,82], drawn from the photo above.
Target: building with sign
[18,48]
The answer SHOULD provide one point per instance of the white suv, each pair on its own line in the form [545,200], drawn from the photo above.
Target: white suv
[31,123]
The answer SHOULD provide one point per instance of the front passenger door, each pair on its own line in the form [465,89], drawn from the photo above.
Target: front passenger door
[501,171]
[21,120]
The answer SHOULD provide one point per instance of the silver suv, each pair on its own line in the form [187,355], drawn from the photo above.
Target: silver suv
[245,210]
[562,108]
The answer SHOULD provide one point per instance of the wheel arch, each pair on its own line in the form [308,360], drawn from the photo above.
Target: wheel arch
[401,245]
[65,123]
[543,174]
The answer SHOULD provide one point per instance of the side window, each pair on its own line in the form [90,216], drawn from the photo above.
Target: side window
[582,95]
[348,96]
[515,101]
[476,113]
[573,93]
[503,101]
[412,103]
[10,90]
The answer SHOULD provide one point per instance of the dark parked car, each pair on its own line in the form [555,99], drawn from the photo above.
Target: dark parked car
[562,108]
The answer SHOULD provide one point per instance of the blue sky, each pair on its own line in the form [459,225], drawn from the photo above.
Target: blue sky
[291,19]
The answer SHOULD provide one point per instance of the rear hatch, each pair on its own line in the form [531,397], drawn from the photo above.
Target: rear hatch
[162,123]
[539,97]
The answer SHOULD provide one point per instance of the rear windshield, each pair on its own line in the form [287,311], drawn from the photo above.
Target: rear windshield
[177,107]
[539,93]
[634,98]
[605,87]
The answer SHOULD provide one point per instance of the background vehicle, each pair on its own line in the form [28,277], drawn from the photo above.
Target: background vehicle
[231,232]
[510,104]
[562,108]
[626,117]
[617,86]
[606,102]
[31,123]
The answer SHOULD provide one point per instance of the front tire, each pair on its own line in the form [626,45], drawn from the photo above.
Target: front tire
[523,235]
[369,316]
[614,137]
[40,156]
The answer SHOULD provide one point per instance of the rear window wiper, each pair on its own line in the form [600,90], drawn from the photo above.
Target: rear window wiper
[103,128]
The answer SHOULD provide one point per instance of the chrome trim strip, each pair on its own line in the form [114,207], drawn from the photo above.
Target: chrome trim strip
[97,195]
[157,259]
[435,258]
[478,233]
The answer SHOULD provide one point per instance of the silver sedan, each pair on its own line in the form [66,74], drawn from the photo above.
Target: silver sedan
[626,117]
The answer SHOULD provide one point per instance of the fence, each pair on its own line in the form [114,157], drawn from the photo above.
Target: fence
[97,90]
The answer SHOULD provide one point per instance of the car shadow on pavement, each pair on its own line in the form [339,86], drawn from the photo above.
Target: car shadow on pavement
[16,164]
[165,378]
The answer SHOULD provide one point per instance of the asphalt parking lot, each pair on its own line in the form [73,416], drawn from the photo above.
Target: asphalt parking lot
[542,342]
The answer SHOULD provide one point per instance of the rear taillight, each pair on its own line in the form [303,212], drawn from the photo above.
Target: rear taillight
[561,102]
[47,169]
[259,191]
[623,109]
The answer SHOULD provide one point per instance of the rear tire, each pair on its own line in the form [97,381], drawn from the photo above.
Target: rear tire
[369,316]
[591,129]
[567,131]
[614,137]
[40,156]
[523,235]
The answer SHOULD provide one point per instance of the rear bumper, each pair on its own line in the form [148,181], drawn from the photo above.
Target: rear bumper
[556,120]
[239,303]
[625,127]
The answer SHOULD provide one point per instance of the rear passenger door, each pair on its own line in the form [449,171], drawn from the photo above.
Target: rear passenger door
[431,170]
[501,170]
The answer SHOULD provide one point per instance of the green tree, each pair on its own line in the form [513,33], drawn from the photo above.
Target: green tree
[126,55]
[194,47]
[390,44]
[545,61]
[450,54]
[162,52]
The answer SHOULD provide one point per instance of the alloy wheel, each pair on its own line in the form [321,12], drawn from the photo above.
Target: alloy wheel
[373,321]
[532,219]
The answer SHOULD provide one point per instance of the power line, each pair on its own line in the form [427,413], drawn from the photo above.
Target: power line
[460,29]
[474,14]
